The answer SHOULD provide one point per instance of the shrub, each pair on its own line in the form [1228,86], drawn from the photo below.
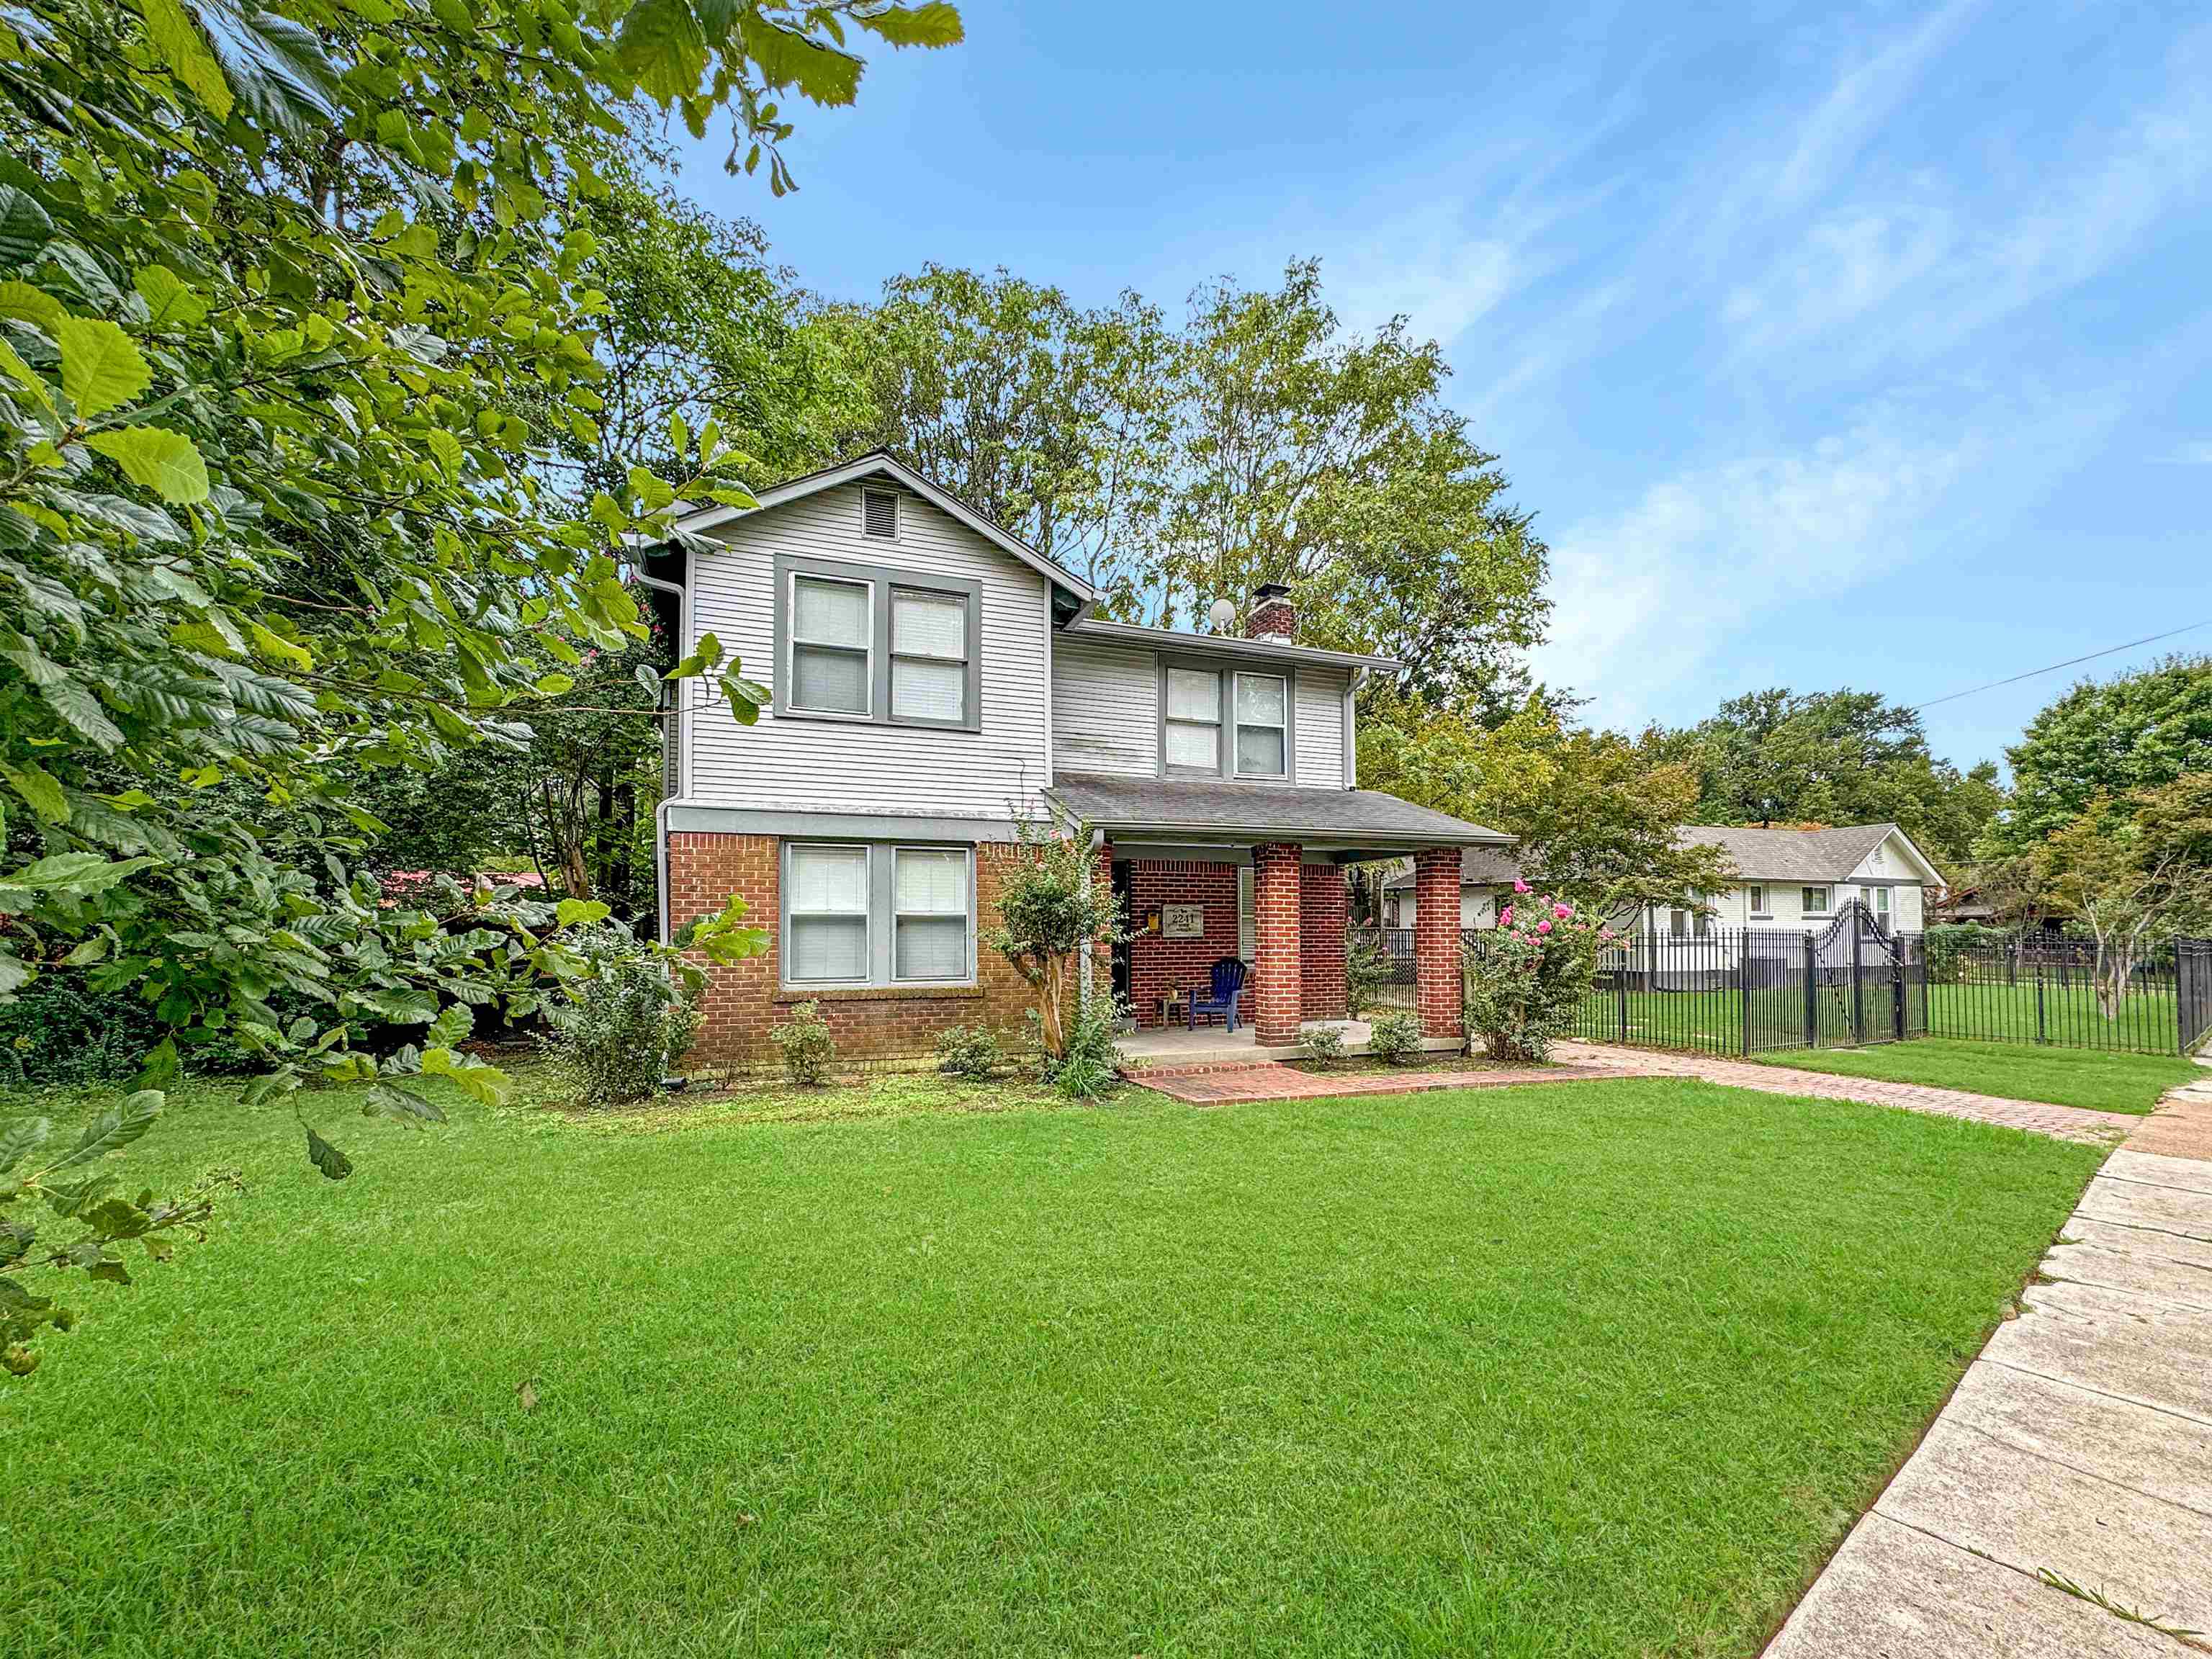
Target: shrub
[1367,969]
[807,1046]
[625,1024]
[970,1052]
[1522,990]
[1395,1039]
[1052,908]
[1324,1045]
[1088,1067]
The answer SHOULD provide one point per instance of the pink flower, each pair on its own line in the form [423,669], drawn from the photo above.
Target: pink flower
[1563,911]
[1519,885]
[1505,917]
[1543,926]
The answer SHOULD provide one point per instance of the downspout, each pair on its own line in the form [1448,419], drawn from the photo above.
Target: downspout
[669,789]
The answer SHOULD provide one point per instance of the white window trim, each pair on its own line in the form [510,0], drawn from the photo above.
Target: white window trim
[1827,905]
[1220,724]
[1237,723]
[793,643]
[1755,898]
[792,914]
[967,976]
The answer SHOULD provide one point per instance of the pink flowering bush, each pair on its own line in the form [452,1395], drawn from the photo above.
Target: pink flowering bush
[1524,982]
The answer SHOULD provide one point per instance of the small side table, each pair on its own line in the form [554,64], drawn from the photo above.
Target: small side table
[1170,1001]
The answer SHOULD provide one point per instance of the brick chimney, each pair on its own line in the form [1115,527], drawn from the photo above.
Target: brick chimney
[1272,617]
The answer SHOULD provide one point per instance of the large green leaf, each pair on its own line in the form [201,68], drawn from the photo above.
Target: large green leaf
[75,704]
[662,47]
[173,34]
[112,1130]
[20,1137]
[334,1164]
[167,462]
[81,874]
[276,67]
[37,786]
[101,368]
[404,1104]
[24,227]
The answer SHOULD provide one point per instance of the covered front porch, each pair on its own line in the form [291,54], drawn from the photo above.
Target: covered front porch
[1216,883]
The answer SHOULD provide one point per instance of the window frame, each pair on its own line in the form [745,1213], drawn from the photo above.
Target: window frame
[880,917]
[1236,723]
[882,582]
[895,656]
[1879,900]
[967,974]
[1755,897]
[788,607]
[786,888]
[1226,672]
[1828,904]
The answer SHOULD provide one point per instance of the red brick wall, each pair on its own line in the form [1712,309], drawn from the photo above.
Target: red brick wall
[743,1001]
[1157,965]
[1323,905]
[1436,942]
[1277,894]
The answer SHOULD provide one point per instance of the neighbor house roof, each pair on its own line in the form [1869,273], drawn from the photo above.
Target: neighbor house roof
[1479,866]
[882,464]
[1206,811]
[1824,856]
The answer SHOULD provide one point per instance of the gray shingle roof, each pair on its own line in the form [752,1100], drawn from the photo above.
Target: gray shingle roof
[1789,854]
[1203,807]
[1479,866]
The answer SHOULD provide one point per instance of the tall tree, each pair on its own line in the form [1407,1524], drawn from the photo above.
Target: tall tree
[1330,461]
[2109,739]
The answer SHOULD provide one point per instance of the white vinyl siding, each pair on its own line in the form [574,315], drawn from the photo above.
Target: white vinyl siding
[1105,709]
[1318,745]
[852,765]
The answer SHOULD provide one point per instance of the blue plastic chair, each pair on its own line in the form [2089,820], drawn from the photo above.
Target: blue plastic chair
[1228,978]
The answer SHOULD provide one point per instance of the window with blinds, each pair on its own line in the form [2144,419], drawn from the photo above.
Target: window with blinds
[929,939]
[929,657]
[1194,720]
[830,626]
[1263,745]
[826,935]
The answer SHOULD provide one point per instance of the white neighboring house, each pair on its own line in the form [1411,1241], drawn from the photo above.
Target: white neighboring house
[1797,880]
[934,678]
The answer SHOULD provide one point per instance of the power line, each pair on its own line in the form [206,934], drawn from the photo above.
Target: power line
[2148,639]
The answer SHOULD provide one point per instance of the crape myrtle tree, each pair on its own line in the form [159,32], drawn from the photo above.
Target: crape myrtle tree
[294,288]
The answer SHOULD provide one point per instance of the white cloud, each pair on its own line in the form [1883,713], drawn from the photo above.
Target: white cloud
[1862,99]
[1425,269]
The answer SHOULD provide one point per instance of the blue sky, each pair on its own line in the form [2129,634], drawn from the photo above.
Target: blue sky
[1833,346]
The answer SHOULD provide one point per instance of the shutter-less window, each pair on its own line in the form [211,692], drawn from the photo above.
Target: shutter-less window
[1263,714]
[829,623]
[829,910]
[929,936]
[1193,719]
[1247,916]
[929,657]
[879,511]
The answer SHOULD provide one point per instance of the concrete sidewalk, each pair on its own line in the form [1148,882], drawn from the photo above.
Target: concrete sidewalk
[2062,1503]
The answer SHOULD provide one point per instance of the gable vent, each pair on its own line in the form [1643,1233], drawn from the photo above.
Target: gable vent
[879,514]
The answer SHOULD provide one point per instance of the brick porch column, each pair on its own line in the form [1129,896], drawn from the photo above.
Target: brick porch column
[1281,991]
[1101,966]
[1436,942]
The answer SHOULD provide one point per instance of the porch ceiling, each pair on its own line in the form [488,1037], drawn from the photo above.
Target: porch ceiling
[1350,822]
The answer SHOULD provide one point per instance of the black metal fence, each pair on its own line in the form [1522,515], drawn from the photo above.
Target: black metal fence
[1748,990]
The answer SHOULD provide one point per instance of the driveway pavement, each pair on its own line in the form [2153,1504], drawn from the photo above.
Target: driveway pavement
[2062,1503]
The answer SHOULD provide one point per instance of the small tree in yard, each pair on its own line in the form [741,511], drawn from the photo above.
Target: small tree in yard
[1052,909]
[2136,880]
[624,1025]
[1523,989]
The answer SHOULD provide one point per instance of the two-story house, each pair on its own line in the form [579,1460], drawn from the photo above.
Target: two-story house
[933,678]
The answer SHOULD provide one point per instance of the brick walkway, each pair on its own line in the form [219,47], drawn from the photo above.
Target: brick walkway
[2063,1122]
[1218,1086]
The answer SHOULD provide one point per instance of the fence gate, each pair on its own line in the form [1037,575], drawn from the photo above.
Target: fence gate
[1863,985]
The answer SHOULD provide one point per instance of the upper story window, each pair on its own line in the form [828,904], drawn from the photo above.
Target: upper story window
[1218,722]
[1194,720]
[830,636]
[868,643]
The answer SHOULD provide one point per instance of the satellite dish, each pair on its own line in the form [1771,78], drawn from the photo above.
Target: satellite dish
[1222,616]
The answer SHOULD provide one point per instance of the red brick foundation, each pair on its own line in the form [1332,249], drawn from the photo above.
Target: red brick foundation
[1437,991]
[742,1001]
[1277,893]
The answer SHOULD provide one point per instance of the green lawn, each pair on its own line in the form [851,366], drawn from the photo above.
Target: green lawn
[2102,1081]
[2068,1015]
[1580,1368]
